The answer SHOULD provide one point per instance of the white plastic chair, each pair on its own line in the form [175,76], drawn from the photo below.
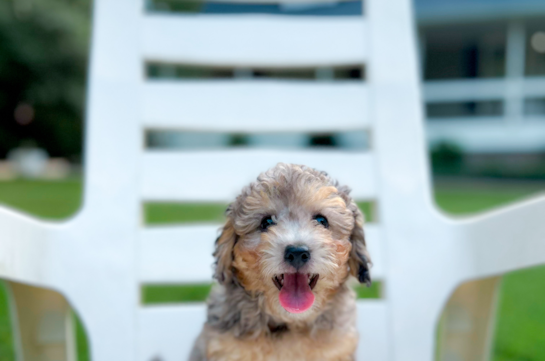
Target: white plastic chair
[100,258]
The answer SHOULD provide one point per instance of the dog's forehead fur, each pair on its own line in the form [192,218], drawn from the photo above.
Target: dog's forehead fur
[291,192]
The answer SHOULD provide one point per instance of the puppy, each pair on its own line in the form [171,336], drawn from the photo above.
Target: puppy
[290,243]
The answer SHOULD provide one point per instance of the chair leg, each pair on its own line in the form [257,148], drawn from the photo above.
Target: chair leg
[466,329]
[42,323]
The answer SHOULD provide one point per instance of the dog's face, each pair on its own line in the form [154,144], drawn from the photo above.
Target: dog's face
[294,237]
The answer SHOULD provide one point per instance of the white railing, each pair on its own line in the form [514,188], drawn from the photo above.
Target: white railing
[482,89]
[257,40]
[514,131]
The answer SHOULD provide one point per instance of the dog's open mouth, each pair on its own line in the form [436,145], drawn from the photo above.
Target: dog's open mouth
[296,290]
[278,280]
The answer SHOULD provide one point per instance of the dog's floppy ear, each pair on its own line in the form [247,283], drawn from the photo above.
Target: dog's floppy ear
[359,256]
[224,250]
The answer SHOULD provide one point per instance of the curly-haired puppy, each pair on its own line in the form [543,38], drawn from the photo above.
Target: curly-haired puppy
[291,241]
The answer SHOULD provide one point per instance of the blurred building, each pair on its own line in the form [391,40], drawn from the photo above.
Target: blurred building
[483,63]
[483,68]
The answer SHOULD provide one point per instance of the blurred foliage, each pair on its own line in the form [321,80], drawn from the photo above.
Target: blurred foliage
[176,5]
[498,168]
[446,158]
[322,140]
[43,55]
[238,140]
[450,159]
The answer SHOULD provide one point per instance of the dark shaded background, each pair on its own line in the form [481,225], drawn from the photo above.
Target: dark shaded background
[43,60]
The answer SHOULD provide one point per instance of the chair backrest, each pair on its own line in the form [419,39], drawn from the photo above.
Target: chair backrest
[247,106]
[376,39]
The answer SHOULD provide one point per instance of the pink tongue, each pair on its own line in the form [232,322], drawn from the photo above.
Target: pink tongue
[296,296]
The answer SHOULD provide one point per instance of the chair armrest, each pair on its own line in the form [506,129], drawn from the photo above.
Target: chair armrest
[507,239]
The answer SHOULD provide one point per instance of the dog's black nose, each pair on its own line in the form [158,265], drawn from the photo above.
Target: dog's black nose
[296,256]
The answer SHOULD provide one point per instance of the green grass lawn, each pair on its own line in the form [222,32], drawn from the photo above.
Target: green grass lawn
[44,199]
[520,330]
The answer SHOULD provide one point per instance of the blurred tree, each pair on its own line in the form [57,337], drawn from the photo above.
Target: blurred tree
[447,158]
[44,46]
[190,6]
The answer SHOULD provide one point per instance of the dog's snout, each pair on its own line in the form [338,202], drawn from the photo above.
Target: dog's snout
[296,256]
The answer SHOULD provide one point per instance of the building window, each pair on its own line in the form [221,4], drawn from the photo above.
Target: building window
[464,51]
[535,48]
[534,106]
[447,110]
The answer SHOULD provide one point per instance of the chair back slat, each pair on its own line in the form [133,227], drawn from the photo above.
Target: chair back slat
[218,176]
[185,253]
[255,106]
[256,40]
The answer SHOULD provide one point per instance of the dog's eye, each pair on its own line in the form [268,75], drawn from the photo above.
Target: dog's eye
[266,222]
[322,220]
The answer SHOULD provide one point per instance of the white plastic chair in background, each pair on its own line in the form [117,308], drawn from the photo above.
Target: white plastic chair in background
[100,258]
